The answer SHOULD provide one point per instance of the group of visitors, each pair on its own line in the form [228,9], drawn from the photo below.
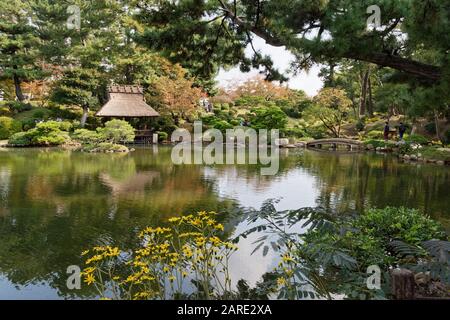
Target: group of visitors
[401,131]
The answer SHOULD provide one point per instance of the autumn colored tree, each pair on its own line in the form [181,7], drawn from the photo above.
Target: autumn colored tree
[175,95]
[331,108]
[259,87]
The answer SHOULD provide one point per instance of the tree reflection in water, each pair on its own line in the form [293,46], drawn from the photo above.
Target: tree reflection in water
[54,204]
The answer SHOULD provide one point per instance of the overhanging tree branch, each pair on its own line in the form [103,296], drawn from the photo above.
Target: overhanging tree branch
[406,65]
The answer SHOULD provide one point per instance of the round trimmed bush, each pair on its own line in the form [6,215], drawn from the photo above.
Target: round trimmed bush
[9,126]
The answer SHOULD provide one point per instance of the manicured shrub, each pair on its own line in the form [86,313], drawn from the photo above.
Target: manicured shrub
[4,111]
[295,133]
[162,136]
[49,133]
[20,139]
[16,106]
[38,114]
[268,118]
[8,127]
[235,122]
[116,131]
[316,132]
[28,124]
[85,136]
[50,139]
[222,125]
[417,139]
[376,143]
[404,224]
[108,138]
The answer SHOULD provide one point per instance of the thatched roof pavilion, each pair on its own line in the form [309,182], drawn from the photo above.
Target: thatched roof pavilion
[126,102]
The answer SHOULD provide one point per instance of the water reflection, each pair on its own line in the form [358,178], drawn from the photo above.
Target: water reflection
[54,203]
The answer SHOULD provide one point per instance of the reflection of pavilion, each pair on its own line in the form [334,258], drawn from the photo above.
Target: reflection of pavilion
[136,183]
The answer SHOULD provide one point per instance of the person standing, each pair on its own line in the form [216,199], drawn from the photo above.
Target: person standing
[387,130]
[401,131]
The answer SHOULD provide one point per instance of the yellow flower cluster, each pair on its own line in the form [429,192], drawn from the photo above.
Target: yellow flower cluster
[101,253]
[189,248]
[202,220]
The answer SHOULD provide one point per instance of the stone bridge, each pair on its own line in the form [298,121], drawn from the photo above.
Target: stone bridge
[334,142]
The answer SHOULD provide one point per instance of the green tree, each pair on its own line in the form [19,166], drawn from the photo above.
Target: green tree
[268,118]
[331,108]
[88,52]
[19,59]
[77,87]
[314,31]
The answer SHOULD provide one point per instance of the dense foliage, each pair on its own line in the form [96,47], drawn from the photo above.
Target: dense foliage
[333,255]
[107,138]
[50,133]
[8,127]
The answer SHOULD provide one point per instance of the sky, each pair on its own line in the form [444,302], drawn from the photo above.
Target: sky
[308,82]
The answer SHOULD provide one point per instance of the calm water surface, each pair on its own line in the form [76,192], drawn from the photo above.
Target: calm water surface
[54,204]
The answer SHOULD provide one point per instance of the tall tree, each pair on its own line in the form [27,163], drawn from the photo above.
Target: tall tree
[331,107]
[175,95]
[19,59]
[77,87]
[86,52]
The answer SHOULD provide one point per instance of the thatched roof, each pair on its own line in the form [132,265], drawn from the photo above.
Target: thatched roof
[126,101]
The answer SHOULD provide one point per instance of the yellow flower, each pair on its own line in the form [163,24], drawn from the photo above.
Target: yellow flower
[142,295]
[200,241]
[148,278]
[94,259]
[215,241]
[286,259]
[89,279]
[85,252]
[173,220]
[89,270]
[113,252]
[172,278]
[196,222]
[281,282]
[219,227]
[187,252]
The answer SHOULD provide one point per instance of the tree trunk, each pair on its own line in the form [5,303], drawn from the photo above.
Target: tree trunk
[403,284]
[363,99]
[85,116]
[414,128]
[436,121]
[18,89]
[370,104]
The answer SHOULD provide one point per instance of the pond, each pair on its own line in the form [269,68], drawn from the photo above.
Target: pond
[55,203]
